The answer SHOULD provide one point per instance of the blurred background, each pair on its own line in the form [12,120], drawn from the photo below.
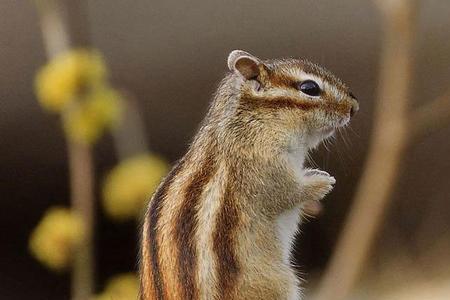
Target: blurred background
[168,56]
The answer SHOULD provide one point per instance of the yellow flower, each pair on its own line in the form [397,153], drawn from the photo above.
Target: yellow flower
[128,186]
[62,79]
[121,287]
[53,240]
[86,120]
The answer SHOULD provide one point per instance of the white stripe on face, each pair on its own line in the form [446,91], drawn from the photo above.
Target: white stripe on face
[300,76]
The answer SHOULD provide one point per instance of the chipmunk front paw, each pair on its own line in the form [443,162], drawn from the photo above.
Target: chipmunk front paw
[317,184]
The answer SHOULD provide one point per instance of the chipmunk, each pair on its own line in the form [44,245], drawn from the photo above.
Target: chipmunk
[221,224]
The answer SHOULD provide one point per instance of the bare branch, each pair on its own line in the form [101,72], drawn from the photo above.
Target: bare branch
[431,116]
[129,137]
[56,37]
[388,144]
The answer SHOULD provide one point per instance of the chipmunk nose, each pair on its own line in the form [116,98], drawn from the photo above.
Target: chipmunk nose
[354,109]
[354,103]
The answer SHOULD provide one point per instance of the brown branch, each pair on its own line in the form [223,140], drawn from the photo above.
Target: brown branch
[82,198]
[431,116]
[56,38]
[129,136]
[388,144]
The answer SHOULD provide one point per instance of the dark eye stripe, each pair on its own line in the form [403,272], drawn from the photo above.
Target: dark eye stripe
[353,96]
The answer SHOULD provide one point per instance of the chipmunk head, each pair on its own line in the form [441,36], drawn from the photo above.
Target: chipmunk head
[291,96]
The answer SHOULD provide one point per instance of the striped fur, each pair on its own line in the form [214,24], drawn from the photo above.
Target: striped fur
[150,247]
[186,226]
[221,223]
[223,244]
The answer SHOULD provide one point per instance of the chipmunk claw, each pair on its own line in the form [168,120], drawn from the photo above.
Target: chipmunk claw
[320,175]
[315,172]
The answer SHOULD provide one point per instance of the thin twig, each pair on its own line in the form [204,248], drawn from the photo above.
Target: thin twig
[129,136]
[82,198]
[388,144]
[431,116]
[57,40]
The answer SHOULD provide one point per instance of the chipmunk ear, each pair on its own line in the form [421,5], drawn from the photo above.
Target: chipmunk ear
[244,63]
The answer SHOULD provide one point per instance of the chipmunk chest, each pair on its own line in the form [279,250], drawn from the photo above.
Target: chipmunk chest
[287,223]
[287,226]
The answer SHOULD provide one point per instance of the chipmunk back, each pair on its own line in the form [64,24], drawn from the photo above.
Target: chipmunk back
[221,224]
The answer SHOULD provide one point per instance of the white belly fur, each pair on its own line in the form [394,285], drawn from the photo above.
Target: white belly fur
[288,222]
[287,225]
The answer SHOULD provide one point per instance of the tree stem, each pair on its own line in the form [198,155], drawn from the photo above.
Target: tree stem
[388,144]
[56,38]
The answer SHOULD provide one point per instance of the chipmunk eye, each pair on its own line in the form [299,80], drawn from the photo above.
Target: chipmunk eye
[309,87]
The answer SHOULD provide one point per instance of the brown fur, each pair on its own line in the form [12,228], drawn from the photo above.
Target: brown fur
[186,227]
[210,231]
[224,241]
